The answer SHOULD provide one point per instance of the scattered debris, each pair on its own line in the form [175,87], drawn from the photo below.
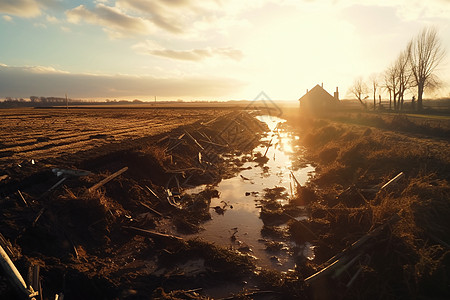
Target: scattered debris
[70,172]
[245,178]
[22,198]
[107,179]
[151,209]
[153,233]
[339,263]
[392,181]
[14,277]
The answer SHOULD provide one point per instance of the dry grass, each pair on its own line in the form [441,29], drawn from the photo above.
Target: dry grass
[412,258]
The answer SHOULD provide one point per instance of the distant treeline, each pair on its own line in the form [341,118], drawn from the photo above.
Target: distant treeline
[35,101]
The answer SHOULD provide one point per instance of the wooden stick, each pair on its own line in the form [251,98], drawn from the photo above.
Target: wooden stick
[13,275]
[153,233]
[204,135]
[195,141]
[290,189]
[36,281]
[153,193]
[268,146]
[151,209]
[38,216]
[344,256]
[75,251]
[59,296]
[162,139]
[210,121]
[393,180]
[52,188]
[6,245]
[107,179]
[23,199]
[174,146]
[295,179]
[184,170]
[214,144]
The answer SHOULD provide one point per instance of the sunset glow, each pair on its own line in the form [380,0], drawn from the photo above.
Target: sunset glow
[208,50]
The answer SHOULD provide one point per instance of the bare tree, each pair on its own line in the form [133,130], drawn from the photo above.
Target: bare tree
[397,79]
[426,53]
[374,83]
[359,89]
[403,76]
[390,83]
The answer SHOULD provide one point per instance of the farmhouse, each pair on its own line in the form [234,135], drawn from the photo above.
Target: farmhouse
[319,99]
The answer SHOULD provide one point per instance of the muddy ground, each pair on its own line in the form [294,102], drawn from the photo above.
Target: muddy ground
[95,243]
[122,239]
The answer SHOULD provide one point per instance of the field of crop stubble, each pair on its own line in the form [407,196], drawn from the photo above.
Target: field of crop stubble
[41,134]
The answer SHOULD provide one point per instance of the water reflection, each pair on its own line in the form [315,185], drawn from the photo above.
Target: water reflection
[239,225]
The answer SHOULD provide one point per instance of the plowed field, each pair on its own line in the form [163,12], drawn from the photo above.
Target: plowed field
[41,134]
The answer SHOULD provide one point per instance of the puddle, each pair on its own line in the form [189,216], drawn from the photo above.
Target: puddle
[235,215]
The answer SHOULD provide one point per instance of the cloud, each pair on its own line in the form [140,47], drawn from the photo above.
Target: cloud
[51,19]
[184,18]
[164,14]
[187,55]
[116,23]
[21,8]
[7,18]
[47,81]
[44,70]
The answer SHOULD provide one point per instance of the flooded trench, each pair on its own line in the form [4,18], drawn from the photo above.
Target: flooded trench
[235,214]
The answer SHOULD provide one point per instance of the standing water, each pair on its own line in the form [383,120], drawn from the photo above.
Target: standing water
[236,224]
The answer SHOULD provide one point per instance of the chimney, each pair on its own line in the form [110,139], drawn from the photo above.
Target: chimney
[336,94]
[322,84]
[307,91]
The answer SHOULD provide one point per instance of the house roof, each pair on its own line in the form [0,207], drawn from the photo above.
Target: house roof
[317,92]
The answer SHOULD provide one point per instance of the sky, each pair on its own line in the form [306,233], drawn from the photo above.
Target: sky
[206,50]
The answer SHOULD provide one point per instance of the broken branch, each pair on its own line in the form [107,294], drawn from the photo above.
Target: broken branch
[392,181]
[14,276]
[151,209]
[153,233]
[195,141]
[107,179]
[22,198]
